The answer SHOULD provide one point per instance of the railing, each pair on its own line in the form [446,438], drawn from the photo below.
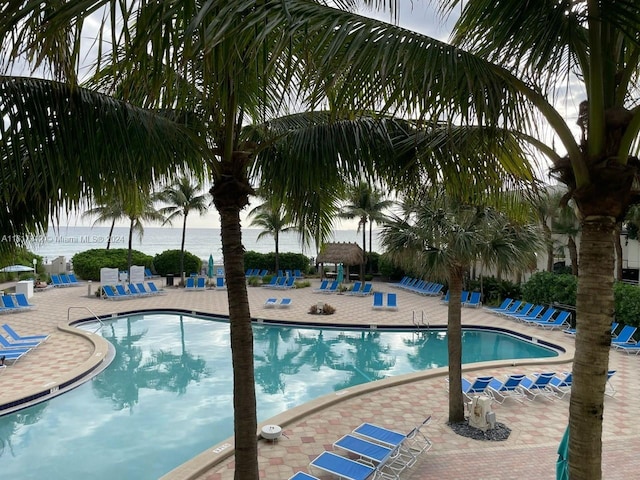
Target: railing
[419,322]
[90,311]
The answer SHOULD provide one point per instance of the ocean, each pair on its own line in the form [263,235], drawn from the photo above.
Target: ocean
[202,242]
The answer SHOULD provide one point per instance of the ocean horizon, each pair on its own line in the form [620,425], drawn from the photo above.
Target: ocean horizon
[202,242]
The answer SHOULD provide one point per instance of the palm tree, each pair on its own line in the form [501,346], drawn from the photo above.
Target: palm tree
[365,203]
[274,219]
[183,197]
[107,211]
[444,238]
[566,223]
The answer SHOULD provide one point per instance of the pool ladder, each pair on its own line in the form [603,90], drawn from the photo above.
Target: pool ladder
[101,324]
[419,322]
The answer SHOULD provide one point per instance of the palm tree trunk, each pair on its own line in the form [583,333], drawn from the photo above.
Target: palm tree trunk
[573,255]
[454,343]
[364,246]
[184,234]
[244,395]
[277,239]
[370,246]
[129,253]
[113,224]
[549,241]
[595,306]
[618,246]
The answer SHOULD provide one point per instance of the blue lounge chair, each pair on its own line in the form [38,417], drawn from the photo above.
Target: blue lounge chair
[65,280]
[55,280]
[289,282]
[263,273]
[110,293]
[477,387]
[302,476]
[532,314]
[572,331]
[284,303]
[201,283]
[367,288]
[434,290]
[190,283]
[378,301]
[392,301]
[16,336]
[560,321]
[73,280]
[123,293]
[323,286]
[154,289]
[625,337]
[142,290]
[298,274]
[474,300]
[220,283]
[512,308]
[22,344]
[133,290]
[342,467]
[503,306]
[272,283]
[410,445]
[545,317]
[14,354]
[539,385]
[355,289]
[501,390]
[521,311]
[561,385]
[609,388]
[270,302]
[386,458]
[9,305]
[22,301]
[332,288]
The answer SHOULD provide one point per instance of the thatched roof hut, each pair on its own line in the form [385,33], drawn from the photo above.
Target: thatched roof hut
[346,253]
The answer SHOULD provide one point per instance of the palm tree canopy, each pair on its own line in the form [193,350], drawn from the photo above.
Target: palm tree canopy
[183,196]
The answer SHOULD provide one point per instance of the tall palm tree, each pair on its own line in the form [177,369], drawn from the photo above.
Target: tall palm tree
[273,218]
[107,211]
[444,238]
[183,197]
[566,223]
[366,203]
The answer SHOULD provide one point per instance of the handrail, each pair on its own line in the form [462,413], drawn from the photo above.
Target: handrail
[90,311]
[421,323]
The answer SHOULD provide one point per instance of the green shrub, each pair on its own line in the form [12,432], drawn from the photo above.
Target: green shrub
[494,290]
[627,303]
[548,288]
[87,264]
[267,261]
[388,269]
[168,262]
[303,284]
[373,262]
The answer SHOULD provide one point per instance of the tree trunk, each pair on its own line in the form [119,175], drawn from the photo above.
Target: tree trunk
[363,220]
[573,255]
[595,308]
[277,239]
[184,234]
[454,343]
[129,253]
[113,224]
[618,246]
[549,241]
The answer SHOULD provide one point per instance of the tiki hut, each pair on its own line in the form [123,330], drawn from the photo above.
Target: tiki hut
[347,253]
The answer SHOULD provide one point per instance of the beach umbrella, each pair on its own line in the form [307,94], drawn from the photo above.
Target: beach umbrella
[340,276]
[210,269]
[562,464]
[16,268]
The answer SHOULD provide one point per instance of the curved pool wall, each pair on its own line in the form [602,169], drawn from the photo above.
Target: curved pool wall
[289,415]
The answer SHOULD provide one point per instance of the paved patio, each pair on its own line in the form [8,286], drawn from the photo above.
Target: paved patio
[536,427]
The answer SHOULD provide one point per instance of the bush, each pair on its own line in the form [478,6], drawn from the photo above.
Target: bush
[494,290]
[87,264]
[547,288]
[267,261]
[326,309]
[388,269]
[168,262]
[627,303]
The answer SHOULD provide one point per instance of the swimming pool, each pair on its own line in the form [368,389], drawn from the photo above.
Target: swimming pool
[167,395]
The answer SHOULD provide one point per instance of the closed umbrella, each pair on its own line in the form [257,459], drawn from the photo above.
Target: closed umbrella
[340,276]
[562,464]
[210,269]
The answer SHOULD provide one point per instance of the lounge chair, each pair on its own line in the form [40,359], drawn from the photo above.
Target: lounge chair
[302,476]
[609,388]
[512,308]
[133,290]
[298,274]
[21,300]
[66,280]
[124,293]
[9,305]
[539,385]
[372,453]
[474,300]
[201,283]
[14,354]
[289,282]
[367,288]
[545,317]
[16,336]
[434,291]
[190,283]
[141,289]
[378,301]
[522,311]
[572,331]
[342,467]
[153,289]
[284,303]
[355,289]
[111,294]
[532,314]
[477,387]
[262,273]
[55,280]
[323,286]
[411,444]
[501,390]
[503,306]
[625,337]
[558,322]
[73,280]
[270,302]
[272,283]
[332,288]
[22,344]
[561,385]
[392,301]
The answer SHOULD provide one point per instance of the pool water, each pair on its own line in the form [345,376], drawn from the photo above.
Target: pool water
[167,396]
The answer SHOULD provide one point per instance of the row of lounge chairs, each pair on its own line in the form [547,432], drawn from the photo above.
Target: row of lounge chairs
[16,302]
[326,287]
[255,272]
[282,282]
[422,287]
[380,453]
[467,299]
[519,387]
[360,289]
[119,292]
[16,346]
[200,283]
[379,304]
[64,280]
[274,302]
[530,314]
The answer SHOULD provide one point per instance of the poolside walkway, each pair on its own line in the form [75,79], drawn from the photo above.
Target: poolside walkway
[536,427]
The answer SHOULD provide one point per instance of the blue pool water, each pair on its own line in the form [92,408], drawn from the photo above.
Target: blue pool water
[167,396]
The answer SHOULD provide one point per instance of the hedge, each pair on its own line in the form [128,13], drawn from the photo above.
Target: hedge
[87,264]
